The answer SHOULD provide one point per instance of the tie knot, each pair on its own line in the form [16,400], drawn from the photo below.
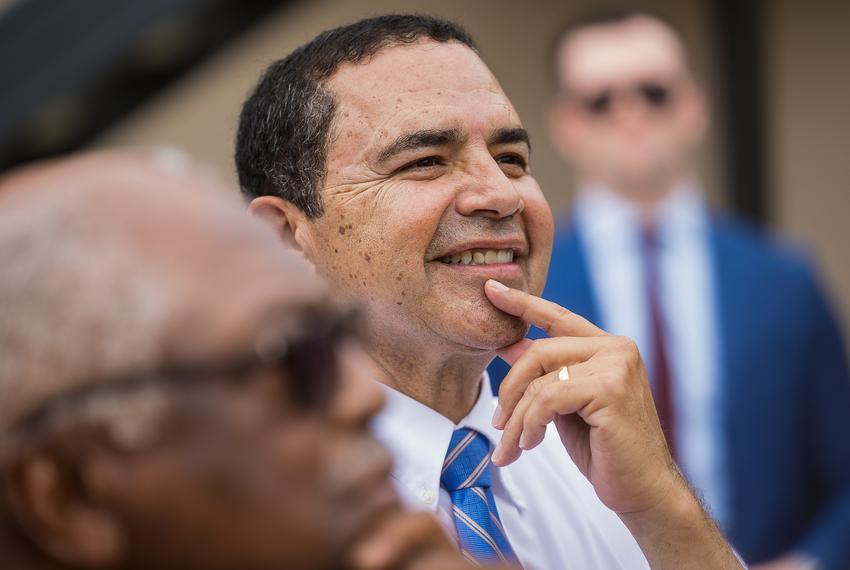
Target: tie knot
[649,235]
[467,463]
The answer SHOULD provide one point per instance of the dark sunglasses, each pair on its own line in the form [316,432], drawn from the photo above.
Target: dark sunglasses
[304,349]
[655,95]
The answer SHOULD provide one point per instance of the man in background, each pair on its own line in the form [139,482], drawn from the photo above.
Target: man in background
[177,394]
[746,364]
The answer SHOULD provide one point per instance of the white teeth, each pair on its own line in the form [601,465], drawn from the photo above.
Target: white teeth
[480,257]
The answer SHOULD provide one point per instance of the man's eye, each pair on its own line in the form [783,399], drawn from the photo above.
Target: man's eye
[427,162]
[512,160]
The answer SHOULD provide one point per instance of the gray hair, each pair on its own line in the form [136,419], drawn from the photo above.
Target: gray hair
[72,305]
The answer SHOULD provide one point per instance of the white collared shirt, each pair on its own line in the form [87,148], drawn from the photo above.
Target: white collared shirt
[609,227]
[551,514]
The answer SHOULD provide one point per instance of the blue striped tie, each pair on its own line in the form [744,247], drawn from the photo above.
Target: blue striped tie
[466,476]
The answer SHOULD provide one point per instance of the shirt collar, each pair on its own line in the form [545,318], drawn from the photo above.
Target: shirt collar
[608,218]
[684,212]
[418,438]
[602,213]
[480,417]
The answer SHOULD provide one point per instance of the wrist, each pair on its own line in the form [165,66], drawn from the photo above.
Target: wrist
[675,532]
[675,509]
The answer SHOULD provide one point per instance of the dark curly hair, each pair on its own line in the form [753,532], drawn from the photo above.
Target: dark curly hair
[282,140]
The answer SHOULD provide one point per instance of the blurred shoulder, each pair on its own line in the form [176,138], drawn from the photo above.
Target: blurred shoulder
[760,248]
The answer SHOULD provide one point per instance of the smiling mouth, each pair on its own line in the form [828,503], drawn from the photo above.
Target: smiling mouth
[479,257]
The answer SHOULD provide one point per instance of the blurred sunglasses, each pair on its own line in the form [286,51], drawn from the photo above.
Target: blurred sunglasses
[656,96]
[304,348]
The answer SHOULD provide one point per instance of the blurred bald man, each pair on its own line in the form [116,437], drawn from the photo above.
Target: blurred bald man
[177,394]
[746,363]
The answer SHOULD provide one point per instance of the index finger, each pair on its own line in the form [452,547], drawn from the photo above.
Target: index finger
[549,316]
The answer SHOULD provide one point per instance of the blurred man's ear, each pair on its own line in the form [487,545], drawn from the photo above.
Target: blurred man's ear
[287,221]
[564,129]
[51,503]
[696,112]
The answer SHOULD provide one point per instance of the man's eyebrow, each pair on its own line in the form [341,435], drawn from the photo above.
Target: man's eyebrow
[420,139]
[510,135]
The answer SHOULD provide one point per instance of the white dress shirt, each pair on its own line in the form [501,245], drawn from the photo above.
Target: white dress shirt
[551,514]
[609,228]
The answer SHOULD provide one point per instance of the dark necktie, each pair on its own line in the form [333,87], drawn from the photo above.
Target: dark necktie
[658,359]
[466,476]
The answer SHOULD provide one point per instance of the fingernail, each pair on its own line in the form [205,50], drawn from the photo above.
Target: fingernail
[498,420]
[523,441]
[496,457]
[496,285]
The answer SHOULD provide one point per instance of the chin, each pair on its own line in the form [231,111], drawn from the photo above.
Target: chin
[495,331]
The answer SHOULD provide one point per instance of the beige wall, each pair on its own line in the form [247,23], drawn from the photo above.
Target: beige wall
[810,161]
[809,117]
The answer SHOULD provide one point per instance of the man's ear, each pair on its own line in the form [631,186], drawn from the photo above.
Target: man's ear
[287,221]
[49,501]
[696,109]
[563,129]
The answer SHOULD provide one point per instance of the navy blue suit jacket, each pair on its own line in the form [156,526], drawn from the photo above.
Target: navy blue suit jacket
[785,392]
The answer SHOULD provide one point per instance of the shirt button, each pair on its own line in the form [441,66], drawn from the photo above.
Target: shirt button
[428,496]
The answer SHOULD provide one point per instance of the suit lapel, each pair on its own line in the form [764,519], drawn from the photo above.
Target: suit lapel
[733,279]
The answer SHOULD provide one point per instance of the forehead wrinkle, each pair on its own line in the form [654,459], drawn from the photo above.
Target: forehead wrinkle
[363,103]
[408,119]
[374,114]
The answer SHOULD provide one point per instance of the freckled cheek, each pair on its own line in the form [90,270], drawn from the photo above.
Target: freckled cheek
[418,218]
[382,248]
[400,237]
[358,259]
[344,260]
[389,269]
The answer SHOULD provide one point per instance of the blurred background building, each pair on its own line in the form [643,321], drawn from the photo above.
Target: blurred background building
[81,73]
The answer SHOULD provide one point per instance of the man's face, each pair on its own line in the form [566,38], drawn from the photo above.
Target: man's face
[628,113]
[217,470]
[262,477]
[243,476]
[427,195]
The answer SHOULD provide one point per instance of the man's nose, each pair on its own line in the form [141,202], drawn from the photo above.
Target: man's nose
[628,109]
[487,191]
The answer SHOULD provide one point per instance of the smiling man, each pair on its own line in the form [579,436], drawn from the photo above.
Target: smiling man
[389,155]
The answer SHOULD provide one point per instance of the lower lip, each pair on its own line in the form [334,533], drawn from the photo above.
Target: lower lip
[489,271]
